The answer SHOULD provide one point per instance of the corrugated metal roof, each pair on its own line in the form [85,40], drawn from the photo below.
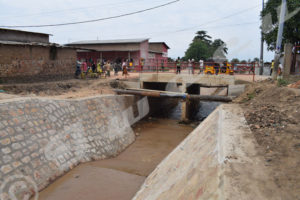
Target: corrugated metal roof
[121,41]
[15,30]
[34,44]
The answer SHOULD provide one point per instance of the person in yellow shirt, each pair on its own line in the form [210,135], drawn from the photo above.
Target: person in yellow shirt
[272,67]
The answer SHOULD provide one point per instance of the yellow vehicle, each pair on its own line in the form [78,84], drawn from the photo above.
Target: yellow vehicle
[227,69]
[209,69]
[216,69]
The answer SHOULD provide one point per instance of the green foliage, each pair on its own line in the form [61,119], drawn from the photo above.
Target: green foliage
[170,59]
[204,48]
[270,16]
[251,96]
[282,82]
[235,60]
[256,59]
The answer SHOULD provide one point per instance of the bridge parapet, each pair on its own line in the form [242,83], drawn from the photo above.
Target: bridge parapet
[205,80]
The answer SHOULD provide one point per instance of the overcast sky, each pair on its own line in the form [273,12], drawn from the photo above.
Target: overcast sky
[234,21]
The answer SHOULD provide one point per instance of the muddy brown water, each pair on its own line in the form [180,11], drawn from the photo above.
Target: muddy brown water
[121,177]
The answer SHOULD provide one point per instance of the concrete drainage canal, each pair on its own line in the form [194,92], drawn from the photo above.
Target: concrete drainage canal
[94,148]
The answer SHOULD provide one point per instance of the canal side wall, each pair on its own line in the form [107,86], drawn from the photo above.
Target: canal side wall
[218,160]
[42,139]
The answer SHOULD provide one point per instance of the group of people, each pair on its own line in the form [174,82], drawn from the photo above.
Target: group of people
[280,68]
[191,63]
[102,67]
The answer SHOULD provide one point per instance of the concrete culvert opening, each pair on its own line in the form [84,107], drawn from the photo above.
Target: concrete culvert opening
[172,108]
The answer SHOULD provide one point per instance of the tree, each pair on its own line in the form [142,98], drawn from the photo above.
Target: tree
[203,48]
[256,60]
[270,15]
[198,50]
[202,36]
[235,60]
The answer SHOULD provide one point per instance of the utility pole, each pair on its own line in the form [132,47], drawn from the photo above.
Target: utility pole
[279,39]
[261,69]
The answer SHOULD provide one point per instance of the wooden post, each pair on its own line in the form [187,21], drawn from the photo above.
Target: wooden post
[288,55]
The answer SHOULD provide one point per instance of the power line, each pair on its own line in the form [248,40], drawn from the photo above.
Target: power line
[72,9]
[206,27]
[94,20]
[209,22]
[219,19]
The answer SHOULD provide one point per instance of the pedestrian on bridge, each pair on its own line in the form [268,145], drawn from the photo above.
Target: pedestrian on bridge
[178,66]
[190,66]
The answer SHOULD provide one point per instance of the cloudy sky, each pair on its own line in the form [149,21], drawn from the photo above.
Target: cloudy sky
[234,21]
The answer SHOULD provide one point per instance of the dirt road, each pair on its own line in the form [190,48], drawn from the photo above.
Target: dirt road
[120,177]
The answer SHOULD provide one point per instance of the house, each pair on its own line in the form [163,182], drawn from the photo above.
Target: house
[29,57]
[158,50]
[120,50]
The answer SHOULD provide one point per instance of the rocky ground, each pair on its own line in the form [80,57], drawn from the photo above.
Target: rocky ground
[273,114]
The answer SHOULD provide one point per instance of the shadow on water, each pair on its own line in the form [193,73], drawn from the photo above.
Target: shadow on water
[203,110]
[171,109]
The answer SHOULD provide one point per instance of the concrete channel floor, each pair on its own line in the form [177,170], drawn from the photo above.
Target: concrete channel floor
[121,177]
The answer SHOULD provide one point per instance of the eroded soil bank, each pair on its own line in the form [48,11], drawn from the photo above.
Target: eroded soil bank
[273,114]
[121,177]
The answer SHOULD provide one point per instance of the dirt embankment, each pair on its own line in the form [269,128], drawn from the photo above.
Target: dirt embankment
[273,114]
[61,89]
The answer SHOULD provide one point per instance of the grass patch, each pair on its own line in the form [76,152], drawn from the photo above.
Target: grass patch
[249,97]
[282,82]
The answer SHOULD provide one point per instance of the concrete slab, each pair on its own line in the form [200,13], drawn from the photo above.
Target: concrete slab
[219,160]
[235,90]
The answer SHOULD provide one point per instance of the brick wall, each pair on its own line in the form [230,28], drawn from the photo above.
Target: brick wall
[30,63]
[41,139]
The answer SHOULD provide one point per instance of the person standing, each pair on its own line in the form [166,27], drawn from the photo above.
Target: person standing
[272,67]
[116,70]
[124,68]
[108,68]
[78,69]
[201,66]
[190,66]
[93,67]
[178,66]
[99,69]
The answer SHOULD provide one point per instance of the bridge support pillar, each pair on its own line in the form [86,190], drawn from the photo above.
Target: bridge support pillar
[185,110]
[184,105]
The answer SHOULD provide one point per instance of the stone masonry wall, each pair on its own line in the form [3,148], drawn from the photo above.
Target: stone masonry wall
[30,63]
[41,139]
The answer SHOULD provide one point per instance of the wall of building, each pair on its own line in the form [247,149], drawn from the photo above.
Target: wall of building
[29,63]
[111,47]
[112,56]
[157,47]
[144,50]
[20,36]
[41,139]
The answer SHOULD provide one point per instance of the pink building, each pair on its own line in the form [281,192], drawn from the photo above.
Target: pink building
[119,50]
